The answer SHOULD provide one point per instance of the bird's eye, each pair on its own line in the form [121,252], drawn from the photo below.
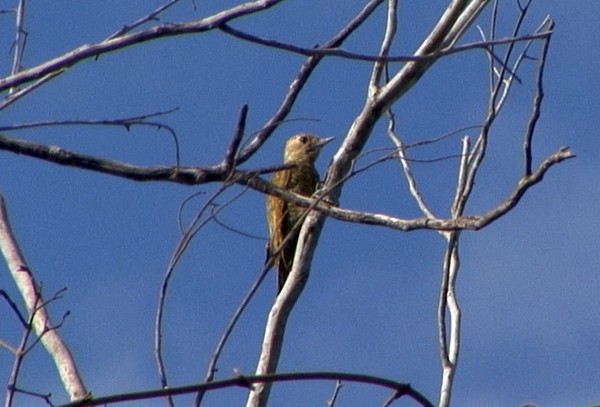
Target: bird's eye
[303,139]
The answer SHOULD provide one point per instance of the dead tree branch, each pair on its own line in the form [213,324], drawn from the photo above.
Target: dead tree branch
[246,381]
[128,39]
[29,289]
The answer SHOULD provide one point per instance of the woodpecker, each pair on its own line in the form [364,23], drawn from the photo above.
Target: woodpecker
[301,151]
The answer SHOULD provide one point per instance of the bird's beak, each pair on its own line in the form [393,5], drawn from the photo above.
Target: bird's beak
[324,141]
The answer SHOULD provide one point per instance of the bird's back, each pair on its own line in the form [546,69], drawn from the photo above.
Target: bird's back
[284,218]
[301,151]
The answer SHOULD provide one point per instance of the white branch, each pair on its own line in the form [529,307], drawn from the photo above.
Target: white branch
[23,277]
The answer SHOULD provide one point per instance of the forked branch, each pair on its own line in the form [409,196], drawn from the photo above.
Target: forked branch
[29,289]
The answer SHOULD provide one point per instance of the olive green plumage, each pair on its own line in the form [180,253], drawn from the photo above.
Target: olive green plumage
[302,151]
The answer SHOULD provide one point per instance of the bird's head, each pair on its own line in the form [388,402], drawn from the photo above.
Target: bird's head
[304,148]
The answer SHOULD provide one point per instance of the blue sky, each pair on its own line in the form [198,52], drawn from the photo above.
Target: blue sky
[528,285]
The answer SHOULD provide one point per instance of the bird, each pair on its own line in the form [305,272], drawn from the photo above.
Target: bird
[301,151]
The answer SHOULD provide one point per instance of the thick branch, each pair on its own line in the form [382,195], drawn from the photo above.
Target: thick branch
[29,289]
[181,175]
[112,44]
[379,219]
[219,173]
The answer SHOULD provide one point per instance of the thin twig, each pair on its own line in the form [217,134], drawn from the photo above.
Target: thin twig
[18,362]
[509,51]
[214,360]
[336,391]
[14,307]
[20,38]
[332,51]
[301,79]
[243,381]
[493,25]
[46,397]
[153,16]
[127,122]
[233,229]
[15,95]
[537,102]
[121,121]
[408,174]
[462,178]
[390,32]
[232,150]
[182,206]
[195,226]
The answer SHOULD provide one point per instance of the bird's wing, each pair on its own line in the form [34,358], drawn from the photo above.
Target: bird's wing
[276,212]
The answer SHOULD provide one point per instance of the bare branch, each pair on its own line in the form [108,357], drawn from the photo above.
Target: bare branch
[281,309]
[153,16]
[497,98]
[328,51]
[199,175]
[466,222]
[390,32]
[24,348]
[182,175]
[381,96]
[401,83]
[449,348]
[229,160]
[14,307]
[18,362]
[461,183]
[28,287]
[408,174]
[233,229]
[20,38]
[496,104]
[298,83]
[15,94]
[537,101]
[448,302]
[212,366]
[127,122]
[160,31]
[336,390]
[44,396]
[400,389]
[195,226]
